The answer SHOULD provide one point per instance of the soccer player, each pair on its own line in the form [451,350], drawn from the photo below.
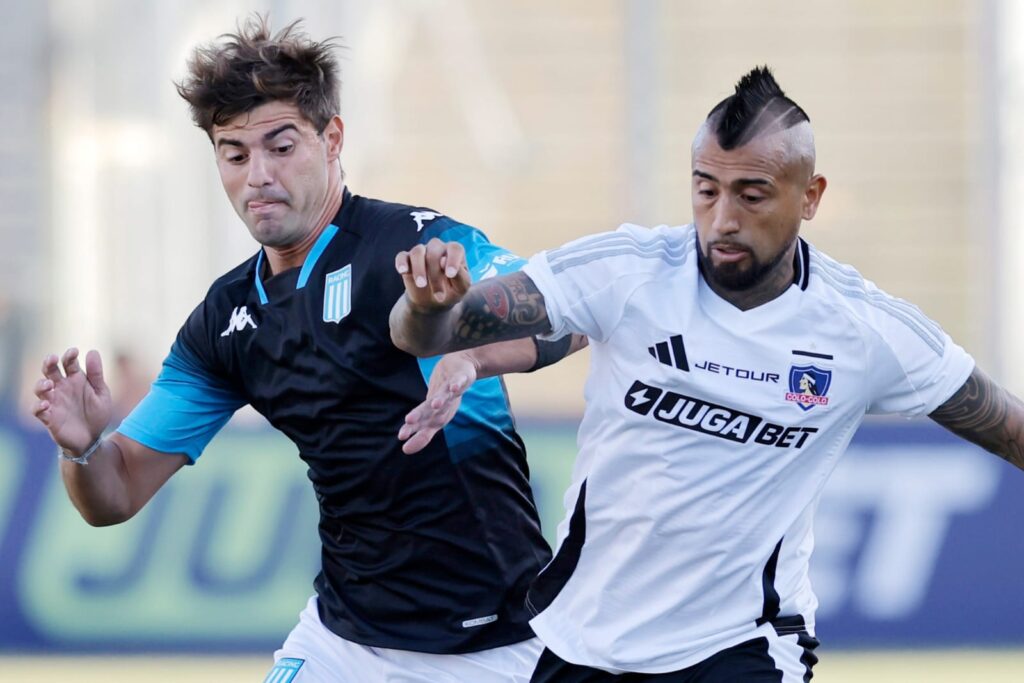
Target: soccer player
[731,364]
[425,561]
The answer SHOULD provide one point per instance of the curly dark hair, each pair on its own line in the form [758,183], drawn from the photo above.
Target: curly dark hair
[243,70]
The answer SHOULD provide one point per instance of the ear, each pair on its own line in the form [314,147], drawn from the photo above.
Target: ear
[334,136]
[812,196]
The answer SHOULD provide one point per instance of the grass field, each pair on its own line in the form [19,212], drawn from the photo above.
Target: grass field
[938,666]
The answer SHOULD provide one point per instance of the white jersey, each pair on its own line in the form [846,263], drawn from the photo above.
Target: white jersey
[708,435]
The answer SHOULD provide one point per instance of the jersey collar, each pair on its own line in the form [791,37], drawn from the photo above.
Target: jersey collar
[767,313]
[801,264]
[311,258]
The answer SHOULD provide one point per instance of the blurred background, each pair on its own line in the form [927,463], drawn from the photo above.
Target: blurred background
[538,122]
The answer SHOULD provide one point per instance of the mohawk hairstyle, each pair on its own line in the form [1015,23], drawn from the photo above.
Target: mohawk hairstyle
[757,105]
[250,68]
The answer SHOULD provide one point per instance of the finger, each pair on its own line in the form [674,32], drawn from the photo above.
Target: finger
[417,265]
[404,268]
[436,251]
[51,368]
[418,442]
[451,394]
[41,410]
[94,371]
[410,429]
[405,432]
[43,388]
[416,414]
[455,259]
[70,361]
[458,385]
[402,262]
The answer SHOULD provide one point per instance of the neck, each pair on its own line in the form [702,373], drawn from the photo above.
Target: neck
[772,285]
[280,259]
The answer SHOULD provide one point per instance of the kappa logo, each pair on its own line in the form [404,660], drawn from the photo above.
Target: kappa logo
[808,386]
[338,294]
[422,216]
[712,419]
[671,352]
[240,318]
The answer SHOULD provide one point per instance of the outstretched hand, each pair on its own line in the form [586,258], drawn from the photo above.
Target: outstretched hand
[451,377]
[435,274]
[75,406]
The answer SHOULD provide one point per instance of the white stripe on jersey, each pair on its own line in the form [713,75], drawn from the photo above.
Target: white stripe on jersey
[617,244]
[787,652]
[849,282]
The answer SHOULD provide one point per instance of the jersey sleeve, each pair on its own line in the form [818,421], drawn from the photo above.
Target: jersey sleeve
[587,283]
[187,404]
[916,366]
[483,258]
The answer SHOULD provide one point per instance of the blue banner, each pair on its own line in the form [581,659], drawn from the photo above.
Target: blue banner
[917,543]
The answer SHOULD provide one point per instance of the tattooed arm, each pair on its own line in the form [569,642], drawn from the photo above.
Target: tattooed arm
[986,414]
[496,309]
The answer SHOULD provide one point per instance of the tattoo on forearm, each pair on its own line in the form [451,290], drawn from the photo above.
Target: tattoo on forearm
[500,309]
[985,414]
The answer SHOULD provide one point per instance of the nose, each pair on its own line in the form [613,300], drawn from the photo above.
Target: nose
[259,171]
[725,217]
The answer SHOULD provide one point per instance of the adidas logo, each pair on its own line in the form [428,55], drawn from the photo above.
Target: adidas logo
[671,352]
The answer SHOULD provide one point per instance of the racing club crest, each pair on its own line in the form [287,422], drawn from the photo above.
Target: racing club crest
[808,386]
[338,294]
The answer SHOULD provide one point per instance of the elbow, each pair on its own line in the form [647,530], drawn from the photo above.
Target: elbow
[98,520]
[410,343]
[402,343]
[105,517]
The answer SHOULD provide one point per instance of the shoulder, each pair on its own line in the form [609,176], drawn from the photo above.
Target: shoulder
[843,288]
[403,223]
[228,292]
[637,247]
[239,277]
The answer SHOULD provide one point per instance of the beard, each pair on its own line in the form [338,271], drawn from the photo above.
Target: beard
[738,277]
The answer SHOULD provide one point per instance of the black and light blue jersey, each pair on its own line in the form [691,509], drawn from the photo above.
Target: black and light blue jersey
[431,552]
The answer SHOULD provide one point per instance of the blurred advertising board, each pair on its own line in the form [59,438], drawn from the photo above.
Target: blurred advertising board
[918,543]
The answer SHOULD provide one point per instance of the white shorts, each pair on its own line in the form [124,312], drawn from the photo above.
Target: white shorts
[313,654]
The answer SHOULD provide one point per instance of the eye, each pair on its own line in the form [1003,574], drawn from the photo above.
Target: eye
[752,198]
[284,148]
[704,192]
[235,158]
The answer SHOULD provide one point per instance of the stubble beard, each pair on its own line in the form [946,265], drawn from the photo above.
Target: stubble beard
[736,278]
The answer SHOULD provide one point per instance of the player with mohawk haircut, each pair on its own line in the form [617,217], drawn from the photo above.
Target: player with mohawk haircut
[758,105]
[683,556]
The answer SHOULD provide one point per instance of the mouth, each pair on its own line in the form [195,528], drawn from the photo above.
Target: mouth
[262,206]
[729,253]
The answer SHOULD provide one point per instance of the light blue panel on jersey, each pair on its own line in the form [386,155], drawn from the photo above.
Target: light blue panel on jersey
[184,409]
[319,247]
[483,416]
[285,670]
[483,258]
[484,413]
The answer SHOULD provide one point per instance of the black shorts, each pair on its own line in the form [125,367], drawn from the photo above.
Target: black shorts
[774,659]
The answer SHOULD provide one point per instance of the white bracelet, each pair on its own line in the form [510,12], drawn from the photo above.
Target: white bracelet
[82,459]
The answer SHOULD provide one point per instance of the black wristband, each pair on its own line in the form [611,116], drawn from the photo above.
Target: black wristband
[550,352]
